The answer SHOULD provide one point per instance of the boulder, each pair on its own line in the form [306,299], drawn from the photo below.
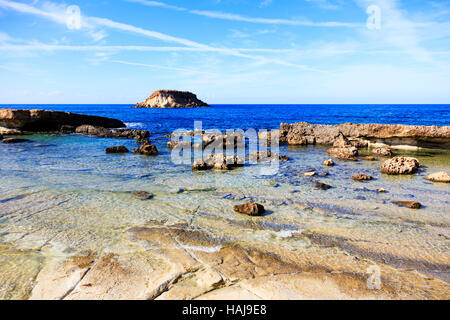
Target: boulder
[94,131]
[384,152]
[345,153]
[147,150]
[400,165]
[117,149]
[409,204]
[361,177]
[328,163]
[51,121]
[14,140]
[171,99]
[439,177]
[251,209]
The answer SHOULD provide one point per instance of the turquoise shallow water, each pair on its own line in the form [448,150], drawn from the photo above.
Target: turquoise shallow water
[61,195]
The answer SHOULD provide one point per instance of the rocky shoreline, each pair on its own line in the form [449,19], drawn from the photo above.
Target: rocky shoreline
[207,255]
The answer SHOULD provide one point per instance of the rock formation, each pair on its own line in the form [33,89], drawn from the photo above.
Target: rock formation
[146,150]
[362,177]
[303,133]
[172,99]
[49,121]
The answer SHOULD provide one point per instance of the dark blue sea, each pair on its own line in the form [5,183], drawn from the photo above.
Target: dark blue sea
[258,116]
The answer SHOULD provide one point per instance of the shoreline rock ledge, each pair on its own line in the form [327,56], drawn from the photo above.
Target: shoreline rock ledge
[172,99]
[16,121]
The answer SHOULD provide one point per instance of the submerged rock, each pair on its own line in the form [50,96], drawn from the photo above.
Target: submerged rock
[117,149]
[400,165]
[45,121]
[439,177]
[384,152]
[172,99]
[147,150]
[143,195]
[328,163]
[251,209]
[14,140]
[409,204]
[369,158]
[361,177]
[321,185]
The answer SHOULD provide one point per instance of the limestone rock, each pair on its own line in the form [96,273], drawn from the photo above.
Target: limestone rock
[400,165]
[172,99]
[328,163]
[423,136]
[441,176]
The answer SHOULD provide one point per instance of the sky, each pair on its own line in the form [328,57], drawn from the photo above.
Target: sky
[225,51]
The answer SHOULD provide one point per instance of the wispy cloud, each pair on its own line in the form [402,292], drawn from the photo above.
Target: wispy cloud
[237,17]
[91,22]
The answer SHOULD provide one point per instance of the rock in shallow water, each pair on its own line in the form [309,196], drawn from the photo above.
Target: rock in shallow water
[409,204]
[384,152]
[328,163]
[143,195]
[251,209]
[146,150]
[345,153]
[400,165]
[321,185]
[439,177]
[361,177]
[117,149]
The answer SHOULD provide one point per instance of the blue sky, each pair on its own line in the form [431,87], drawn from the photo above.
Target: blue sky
[226,51]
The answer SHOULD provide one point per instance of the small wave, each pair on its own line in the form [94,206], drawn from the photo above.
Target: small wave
[204,249]
[135,125]
[286,233]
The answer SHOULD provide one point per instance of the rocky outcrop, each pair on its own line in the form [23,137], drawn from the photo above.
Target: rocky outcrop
[172,99]
[50,121]
[303,133]
[251,209]
[439,177]
[218,162]
[400,165]
[102,132]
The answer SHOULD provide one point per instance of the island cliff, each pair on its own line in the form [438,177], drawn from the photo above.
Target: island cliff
[171,99]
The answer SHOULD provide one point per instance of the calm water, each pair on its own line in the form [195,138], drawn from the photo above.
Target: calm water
[61,195]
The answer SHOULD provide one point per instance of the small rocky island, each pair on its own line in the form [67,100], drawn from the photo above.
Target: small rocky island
[172,99]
